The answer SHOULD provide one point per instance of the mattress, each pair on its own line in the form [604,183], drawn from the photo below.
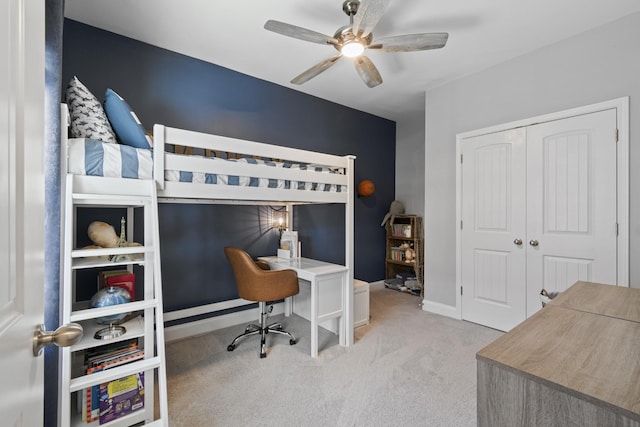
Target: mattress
[97,158]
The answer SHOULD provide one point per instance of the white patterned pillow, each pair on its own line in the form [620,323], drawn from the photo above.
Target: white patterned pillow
[88,119]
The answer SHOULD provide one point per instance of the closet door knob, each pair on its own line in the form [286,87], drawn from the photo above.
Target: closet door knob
[518,241]
[533,242]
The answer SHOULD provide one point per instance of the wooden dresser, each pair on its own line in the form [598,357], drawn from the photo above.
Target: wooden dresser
[576,362]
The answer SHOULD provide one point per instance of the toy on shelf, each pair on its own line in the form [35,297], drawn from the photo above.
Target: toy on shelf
[103,235]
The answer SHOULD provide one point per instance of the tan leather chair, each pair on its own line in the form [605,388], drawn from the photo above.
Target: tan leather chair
[256,282]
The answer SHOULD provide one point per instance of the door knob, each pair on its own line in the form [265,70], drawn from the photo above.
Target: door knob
[64,336]
[518,241]
[533,242]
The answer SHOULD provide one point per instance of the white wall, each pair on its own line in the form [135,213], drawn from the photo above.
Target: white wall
[410,160]
[598,65]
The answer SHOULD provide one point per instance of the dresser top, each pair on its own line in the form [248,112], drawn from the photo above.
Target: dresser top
[586,342]
[613,301]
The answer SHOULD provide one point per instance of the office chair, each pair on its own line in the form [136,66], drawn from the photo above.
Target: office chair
[256,282]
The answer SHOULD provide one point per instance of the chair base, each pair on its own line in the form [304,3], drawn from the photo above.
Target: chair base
[262,330]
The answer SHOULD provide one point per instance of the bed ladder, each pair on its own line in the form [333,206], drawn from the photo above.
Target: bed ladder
[130,196]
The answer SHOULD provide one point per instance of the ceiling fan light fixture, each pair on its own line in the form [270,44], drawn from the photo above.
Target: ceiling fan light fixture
[353,39]
[352,49]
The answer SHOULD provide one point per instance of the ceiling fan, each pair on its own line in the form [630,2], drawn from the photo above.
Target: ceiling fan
[353,39]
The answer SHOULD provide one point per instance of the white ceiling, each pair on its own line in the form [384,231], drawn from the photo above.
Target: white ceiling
[230,33]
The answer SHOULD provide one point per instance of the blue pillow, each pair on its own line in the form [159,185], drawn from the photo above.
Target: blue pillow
[124,121]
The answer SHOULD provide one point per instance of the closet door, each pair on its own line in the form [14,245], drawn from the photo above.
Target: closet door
[493,247]
[571,203]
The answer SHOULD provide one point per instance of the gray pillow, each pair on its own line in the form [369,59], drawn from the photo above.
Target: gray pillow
[88,119]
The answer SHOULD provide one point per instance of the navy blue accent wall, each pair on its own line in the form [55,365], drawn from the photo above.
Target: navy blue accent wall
[169,88]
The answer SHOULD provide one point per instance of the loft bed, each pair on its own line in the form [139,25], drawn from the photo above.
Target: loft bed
[194,167]
[234,169]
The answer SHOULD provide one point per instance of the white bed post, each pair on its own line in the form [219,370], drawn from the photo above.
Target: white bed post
[288,207]
[348,251]
[158,156]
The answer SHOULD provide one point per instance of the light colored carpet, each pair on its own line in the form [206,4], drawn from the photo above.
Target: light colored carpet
[406,368]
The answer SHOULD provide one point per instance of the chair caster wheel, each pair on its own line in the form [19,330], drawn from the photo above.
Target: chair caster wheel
[231,347]
[293,342]
[263,355]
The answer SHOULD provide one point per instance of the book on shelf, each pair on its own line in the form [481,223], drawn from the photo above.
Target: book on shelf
[121,397]
[396,253]
[100,360]
[119,278]
[401,230]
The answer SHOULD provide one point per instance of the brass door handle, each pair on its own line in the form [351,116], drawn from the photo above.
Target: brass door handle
[533,242]
[518,241]
[64,336]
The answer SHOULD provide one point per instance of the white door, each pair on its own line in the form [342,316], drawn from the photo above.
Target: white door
[22,209]
[539,210]
[493,229]
[571,208]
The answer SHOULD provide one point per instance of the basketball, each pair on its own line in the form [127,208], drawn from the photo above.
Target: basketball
[366,188]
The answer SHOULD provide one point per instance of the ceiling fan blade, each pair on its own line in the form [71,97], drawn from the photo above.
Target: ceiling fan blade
[367,71]
[410,42]
[298,32]
[315,70]
[368,15]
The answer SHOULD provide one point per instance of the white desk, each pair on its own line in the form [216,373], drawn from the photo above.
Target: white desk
[323,299]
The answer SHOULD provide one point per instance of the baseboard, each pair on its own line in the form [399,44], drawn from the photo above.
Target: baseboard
[205,309]
[197,327]
[441,309]
[378,284]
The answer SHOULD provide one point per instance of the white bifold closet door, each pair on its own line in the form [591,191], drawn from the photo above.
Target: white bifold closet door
[538,211]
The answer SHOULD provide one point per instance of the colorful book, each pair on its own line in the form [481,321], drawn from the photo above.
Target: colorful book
[95,354]
[101,363]
[121,397]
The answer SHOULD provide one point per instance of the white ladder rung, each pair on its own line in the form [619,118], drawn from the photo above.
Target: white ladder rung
[111,374]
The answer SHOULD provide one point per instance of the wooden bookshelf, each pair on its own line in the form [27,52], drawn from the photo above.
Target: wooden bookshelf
[405,248]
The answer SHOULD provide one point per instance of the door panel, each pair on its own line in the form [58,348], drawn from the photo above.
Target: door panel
[22,210]
[571,203]
[491,172]
[491,272]
[566,169]
[560,273]
[493,216]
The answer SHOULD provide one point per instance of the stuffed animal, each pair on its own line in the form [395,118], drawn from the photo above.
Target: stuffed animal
[396,208]
[409,253]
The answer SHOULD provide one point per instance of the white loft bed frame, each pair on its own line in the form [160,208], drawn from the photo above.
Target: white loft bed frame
[184,192]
